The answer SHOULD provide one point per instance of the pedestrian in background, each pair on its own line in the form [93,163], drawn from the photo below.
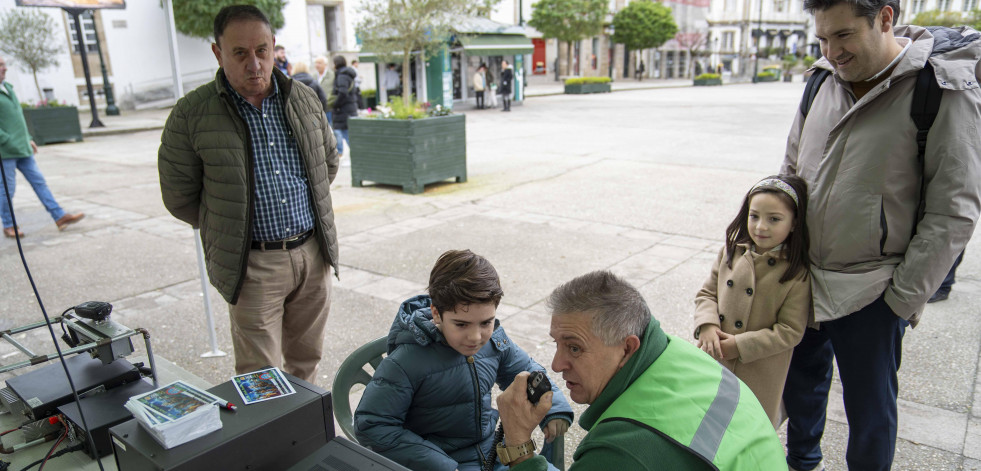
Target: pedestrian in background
[479,85]
[325,77]
[753,309]
[491,88]
[391,81]
[17,151]
[301,73]
[345,104]
[507,77]
[248,158]
[282,63]
[886,223]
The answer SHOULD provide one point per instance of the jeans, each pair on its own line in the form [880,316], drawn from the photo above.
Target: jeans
[330,119]
[28,167]
[341,135]
[868,348]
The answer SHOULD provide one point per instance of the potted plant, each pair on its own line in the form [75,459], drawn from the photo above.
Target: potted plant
[370,98]
[788,62]
[581,85]
[26,35]
[708,79]
[770,73]
[408,145]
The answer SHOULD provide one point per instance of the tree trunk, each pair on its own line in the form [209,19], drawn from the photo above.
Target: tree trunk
[40,94]
[406,76]
[569,61]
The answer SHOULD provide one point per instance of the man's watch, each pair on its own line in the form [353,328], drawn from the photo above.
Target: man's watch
[507,454]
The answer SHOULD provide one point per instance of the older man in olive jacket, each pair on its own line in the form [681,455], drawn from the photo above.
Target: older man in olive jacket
[248,159]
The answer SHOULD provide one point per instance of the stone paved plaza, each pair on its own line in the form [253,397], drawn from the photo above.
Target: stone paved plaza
[641,182]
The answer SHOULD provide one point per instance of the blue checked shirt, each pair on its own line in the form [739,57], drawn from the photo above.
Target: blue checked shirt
[282,194]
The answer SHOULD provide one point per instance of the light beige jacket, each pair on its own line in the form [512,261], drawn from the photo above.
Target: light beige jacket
[859,160]
[767,317]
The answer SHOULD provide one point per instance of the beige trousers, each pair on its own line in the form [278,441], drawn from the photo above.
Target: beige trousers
[282,311]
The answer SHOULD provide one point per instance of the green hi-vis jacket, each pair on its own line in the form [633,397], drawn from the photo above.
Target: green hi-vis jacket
[672,407]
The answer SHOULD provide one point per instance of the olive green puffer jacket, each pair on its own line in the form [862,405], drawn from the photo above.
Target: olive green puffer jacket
[207,177]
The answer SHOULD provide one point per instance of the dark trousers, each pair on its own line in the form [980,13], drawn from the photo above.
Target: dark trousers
[949,280]
[506,101]
[480,100]
[867,346]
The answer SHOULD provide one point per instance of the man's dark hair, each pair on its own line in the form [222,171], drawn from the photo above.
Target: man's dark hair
[234,13]
[463,277]
[279,48]
[863,8]
[339,62]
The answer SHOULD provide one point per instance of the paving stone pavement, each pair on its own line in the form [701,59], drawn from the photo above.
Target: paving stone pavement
[642,183]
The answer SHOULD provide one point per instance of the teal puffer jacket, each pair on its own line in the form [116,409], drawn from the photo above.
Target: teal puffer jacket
[427,407]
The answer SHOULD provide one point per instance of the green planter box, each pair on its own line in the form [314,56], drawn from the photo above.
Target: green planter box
[53,124]
[766,78]
[409,153]
[707,82]
[583,88]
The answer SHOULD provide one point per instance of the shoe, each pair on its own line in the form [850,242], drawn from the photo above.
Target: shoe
[9,232]
[819,467]
[67,220]
[940,295]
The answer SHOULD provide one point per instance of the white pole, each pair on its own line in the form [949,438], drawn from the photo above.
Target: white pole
[175,63]
[207,299]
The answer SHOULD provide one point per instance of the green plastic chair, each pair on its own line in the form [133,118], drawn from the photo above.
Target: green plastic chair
[352,371]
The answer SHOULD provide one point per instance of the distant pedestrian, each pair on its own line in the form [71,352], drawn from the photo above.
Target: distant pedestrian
[491,88]
[325,76]
[282,63]
[753,309]
[507,77]
[301,73]
[640,70]
[391,81]
[345,100]
[479,85]
[17,151]
[943,292]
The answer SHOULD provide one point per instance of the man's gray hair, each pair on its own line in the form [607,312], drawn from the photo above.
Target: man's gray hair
[617,309]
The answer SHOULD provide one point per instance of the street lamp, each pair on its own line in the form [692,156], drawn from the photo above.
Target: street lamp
[756,62]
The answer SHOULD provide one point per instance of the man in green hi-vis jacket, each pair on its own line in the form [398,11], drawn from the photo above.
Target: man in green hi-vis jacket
[17,151]
[656,401]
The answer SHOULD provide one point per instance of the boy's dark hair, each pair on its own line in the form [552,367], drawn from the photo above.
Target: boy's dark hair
[463,277]
[862,8]
[798,243]
[233,13]
[339,62]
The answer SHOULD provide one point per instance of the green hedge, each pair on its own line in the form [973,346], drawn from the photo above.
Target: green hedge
[708,75]
[368,93]
[584,80]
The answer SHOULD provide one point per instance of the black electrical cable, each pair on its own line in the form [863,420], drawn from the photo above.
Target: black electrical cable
[47,320]
[71,449]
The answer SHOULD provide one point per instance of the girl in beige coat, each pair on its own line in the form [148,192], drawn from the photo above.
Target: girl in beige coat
[753,309]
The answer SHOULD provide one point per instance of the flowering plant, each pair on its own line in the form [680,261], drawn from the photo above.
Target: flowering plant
[44,104]
[397,109]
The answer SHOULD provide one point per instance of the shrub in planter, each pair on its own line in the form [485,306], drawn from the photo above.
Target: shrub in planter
[708,79]
[50,121]
[766,76]
[581,85]
[408,145]
[370,98]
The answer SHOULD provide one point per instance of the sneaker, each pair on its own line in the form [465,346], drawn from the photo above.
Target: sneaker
[940,295]
[68,220]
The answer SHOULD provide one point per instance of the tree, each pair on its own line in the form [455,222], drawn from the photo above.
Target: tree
[27,35]
[196,18]
[389,28]
[692,42]
[569,20]
[643,24]
[939,18]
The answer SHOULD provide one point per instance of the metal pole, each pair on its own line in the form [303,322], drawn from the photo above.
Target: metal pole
[756,63]
[175,62]
[203,275]
[76,15]
[111,108]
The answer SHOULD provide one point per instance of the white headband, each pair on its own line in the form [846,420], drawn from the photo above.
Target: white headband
[778,184]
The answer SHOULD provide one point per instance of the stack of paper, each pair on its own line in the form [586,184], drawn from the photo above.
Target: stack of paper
[176,413]
[262,385]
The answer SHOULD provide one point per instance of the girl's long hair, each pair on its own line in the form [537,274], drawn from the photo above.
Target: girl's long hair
[795,248]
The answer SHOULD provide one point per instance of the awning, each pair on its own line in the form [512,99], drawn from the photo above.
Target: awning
[372,57]
[496,45]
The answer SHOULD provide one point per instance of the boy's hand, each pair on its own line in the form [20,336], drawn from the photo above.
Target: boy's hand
[555,428]
[709,341]
[727,343]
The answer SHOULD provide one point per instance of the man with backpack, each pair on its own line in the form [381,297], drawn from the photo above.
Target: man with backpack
[893,165]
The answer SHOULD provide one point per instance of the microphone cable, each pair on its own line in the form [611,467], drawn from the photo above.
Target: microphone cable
[47,320]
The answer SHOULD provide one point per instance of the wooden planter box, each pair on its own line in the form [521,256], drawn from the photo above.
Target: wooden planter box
[766,78]
[707,82]
[409,153]
[582,88]
[53,124]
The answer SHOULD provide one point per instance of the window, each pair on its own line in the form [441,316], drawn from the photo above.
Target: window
[727,41]
[943,5]
[970,5]
[779,5]
[918,6]
[730,5]
[88,29]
